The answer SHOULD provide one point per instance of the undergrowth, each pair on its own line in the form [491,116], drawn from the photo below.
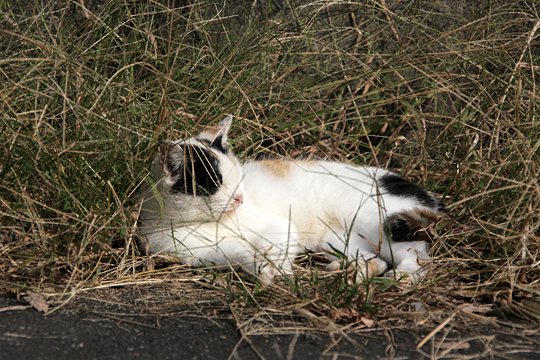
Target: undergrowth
[443,92]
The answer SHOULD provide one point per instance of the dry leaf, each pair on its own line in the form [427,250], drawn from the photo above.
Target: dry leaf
[343,315]
[37,301]
[367,321]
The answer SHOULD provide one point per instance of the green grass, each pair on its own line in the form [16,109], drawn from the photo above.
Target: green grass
[445,93]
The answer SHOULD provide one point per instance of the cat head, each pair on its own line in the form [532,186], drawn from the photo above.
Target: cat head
[200,175]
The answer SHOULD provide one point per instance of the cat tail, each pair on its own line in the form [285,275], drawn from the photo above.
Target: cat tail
[418,224]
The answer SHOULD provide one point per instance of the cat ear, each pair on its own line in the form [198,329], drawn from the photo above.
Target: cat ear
[171,159]
[218,134]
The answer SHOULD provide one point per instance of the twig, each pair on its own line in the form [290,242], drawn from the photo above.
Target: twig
[14,308]
[435,331]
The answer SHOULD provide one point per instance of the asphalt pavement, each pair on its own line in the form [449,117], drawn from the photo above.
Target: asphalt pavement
[75,332]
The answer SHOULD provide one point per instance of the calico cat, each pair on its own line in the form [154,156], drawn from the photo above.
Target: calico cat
[209,210]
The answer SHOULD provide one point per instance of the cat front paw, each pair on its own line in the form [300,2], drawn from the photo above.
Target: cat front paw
[268,272]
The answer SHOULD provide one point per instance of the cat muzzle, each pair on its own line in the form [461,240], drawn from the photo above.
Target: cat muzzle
[238,199]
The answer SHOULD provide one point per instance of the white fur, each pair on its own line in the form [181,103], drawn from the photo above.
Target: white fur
[336,206]
[320,206]
[239,239]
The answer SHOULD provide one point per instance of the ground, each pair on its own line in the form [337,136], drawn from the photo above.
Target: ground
[91,327]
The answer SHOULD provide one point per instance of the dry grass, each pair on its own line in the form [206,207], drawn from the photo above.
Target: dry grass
[443,92]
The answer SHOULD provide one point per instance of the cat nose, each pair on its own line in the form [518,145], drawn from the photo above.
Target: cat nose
[238,199]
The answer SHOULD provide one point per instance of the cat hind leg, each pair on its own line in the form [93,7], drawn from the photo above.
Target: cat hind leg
[409,260]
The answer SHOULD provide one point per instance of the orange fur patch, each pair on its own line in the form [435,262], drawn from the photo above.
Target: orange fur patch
[210,132]
[278,168]
[419,218]
[373,268]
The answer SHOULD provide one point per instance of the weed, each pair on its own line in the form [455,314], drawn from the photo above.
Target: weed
[443,92]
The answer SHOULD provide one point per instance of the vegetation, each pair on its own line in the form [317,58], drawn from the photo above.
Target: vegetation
[446,93]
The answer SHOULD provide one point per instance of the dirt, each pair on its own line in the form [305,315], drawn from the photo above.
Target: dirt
[93,329]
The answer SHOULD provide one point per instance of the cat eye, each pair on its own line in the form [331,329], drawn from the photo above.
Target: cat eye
[197,173]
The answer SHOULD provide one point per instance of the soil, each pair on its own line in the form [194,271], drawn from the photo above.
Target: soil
[93,329]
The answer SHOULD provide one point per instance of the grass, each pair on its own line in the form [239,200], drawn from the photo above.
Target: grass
[446,93]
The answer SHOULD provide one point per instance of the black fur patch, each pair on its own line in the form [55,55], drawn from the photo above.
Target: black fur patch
[399,229]
[412,225]
[398,186]
[216,144]
[197,173]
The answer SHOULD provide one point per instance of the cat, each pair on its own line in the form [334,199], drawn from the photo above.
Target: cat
[208,209]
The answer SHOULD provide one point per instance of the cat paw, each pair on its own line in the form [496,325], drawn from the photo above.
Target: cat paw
[267,275]
[370,268]
[406,277]
[364,269]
